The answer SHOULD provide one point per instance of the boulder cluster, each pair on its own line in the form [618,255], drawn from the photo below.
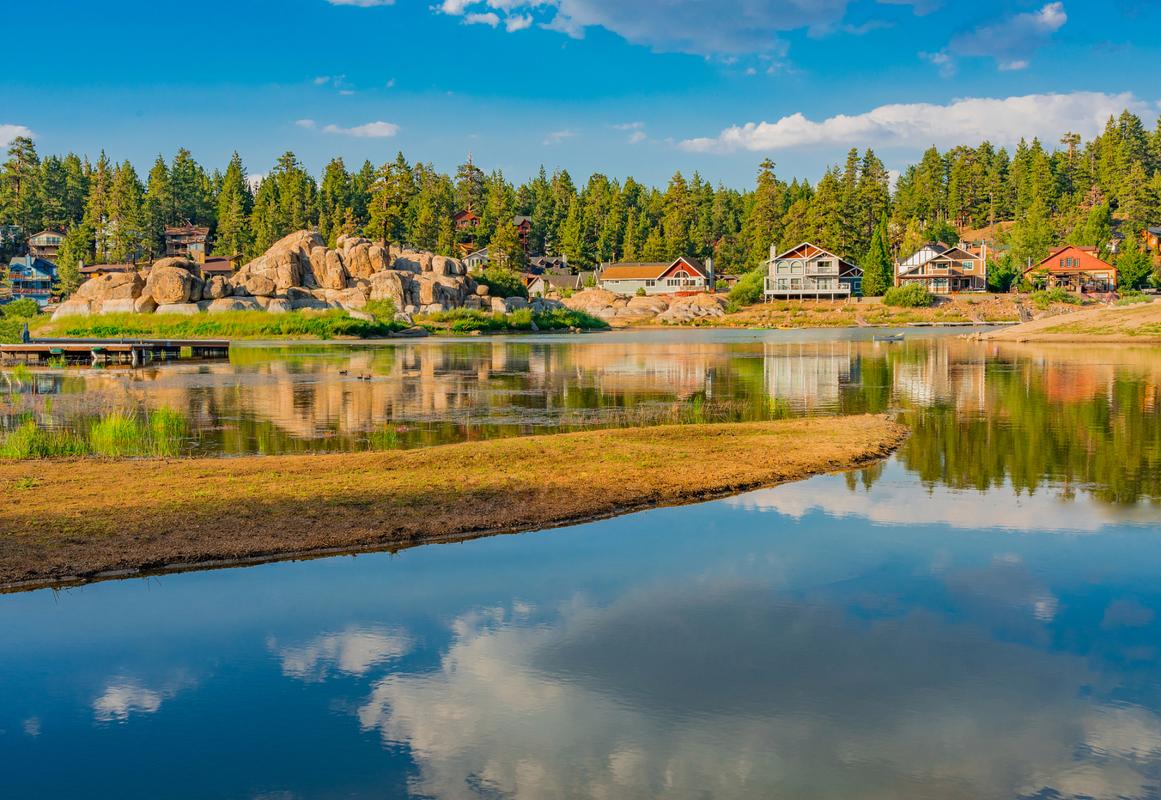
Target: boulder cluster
[617,309]
[297,272]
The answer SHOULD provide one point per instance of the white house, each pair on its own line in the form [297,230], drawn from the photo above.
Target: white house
[810,271]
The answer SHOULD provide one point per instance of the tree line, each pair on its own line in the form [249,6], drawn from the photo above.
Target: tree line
[1072,191]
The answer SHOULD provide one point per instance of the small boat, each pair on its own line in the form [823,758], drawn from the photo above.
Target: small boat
[888,337]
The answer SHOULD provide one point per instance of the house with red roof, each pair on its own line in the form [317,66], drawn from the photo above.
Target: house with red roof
[683,274]
[1075,268]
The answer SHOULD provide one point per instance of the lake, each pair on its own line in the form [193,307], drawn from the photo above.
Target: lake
[978,617]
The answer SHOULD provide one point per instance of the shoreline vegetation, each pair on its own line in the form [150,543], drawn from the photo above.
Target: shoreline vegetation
[324,325]
[88,519]
[335,324]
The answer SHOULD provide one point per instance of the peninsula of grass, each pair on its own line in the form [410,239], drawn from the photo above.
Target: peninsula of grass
[71,520]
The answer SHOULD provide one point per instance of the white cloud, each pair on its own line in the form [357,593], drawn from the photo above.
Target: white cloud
[120,700]
[10,132]
[556,137]
[370,130]
[636,131]
[699,27]
[352,652]
[642,714]
[1010,41]
[518,22]
[305,123]
[489,18]
[963,121]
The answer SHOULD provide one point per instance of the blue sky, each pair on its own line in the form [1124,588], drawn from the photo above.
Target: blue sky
[640,87]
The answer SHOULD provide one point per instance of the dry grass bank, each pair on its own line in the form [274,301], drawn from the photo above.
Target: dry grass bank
[72,520]
[1132,324]
[961,309]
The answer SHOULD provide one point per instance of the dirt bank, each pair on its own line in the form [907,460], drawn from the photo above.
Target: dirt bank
[1133,324]
[68,521]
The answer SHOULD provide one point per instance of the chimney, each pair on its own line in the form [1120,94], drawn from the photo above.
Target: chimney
[709,270]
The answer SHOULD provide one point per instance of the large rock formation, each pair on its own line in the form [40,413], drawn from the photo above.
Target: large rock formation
[619,310]
[298,272]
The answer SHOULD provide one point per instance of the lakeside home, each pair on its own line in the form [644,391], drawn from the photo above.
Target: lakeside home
[187,241]
[32,277]
[45,244]
[683,274]
[943,269]
[810,271]
[1076,269]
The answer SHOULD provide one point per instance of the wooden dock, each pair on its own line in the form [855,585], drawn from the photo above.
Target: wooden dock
[135,352]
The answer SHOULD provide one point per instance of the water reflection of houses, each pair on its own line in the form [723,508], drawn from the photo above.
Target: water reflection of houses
[954,374]
[810,376]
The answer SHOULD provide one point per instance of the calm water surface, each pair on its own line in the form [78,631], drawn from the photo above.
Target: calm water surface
[977,618]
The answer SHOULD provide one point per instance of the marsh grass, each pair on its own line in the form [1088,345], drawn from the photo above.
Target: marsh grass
[463,321]
[229,325]
[118,434]
[383,439]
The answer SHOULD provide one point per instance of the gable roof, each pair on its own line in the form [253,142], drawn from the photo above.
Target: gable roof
[1089,260]
[652,271]
[634,270]
[809,250]
[520,219]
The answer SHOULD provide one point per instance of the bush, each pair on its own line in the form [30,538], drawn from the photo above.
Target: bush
[503,282]
[24,308]
[910,295]
[1046,297]
[463,320]
[382,310]
[641,291]
[1131,297]
[748,290]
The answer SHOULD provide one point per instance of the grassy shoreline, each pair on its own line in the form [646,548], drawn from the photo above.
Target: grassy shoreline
[316,325]
[70,521]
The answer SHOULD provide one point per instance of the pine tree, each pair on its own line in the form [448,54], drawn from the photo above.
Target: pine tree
[390,198]
[334,200]
[877,265]
[97,211]
[126,235]
[157,208]
[20,189]
[234,207]
[504,247]
[76,249]
[763,225]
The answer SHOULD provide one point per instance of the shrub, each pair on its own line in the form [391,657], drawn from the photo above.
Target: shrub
[748,290]
[382,310]
[1046,297]
[24,308]
[910,295]
[641,291]
[1131,297]
[503,282]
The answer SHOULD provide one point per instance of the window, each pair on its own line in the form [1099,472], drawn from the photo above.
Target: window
[650,283]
